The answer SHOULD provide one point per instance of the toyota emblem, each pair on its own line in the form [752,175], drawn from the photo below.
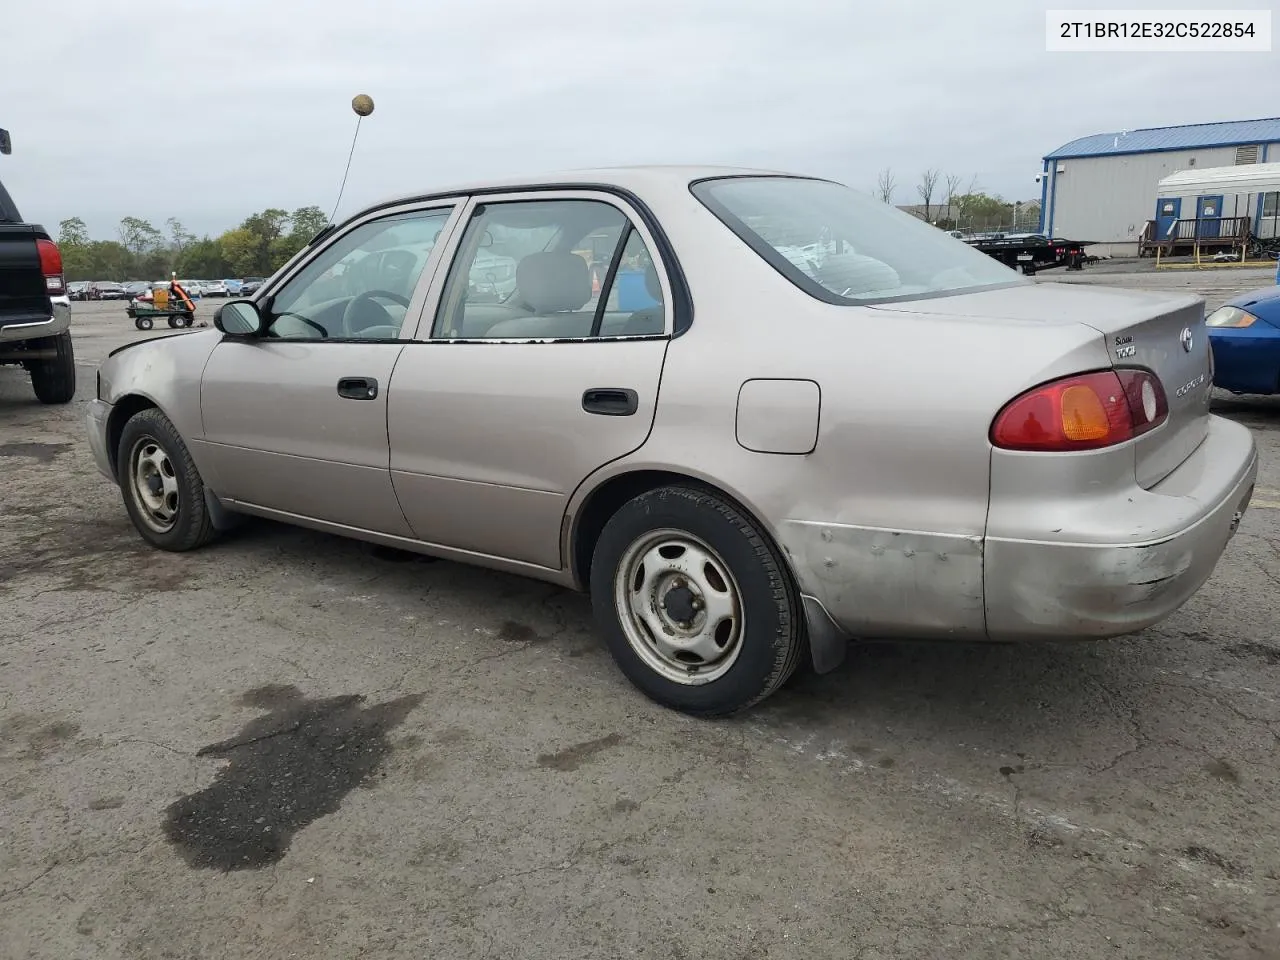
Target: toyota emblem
[1186,339]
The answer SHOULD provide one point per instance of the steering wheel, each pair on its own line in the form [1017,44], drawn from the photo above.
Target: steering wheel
[372,296]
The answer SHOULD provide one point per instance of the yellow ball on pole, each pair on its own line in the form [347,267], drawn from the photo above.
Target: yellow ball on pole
[362,104]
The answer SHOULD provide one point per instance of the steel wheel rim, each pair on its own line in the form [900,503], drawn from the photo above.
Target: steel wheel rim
[680,607]
[153,484]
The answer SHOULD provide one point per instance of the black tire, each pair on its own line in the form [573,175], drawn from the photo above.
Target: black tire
[144,323]
[191,525]
[54,380]
[769,637]
[174,322]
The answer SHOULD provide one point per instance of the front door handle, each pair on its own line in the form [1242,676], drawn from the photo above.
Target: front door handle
[611,401]
[358,388]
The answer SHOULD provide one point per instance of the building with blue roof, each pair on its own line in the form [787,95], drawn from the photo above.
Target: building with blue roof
[1103,188]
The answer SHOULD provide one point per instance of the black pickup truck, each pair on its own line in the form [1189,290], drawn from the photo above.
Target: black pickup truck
[35,312]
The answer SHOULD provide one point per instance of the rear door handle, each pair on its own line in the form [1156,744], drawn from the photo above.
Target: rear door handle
[611,401]
[358,388]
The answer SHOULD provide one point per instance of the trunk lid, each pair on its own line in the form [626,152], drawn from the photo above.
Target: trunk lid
[1160,332]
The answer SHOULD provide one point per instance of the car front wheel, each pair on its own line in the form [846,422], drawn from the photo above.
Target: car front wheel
[162,488]
[694,602]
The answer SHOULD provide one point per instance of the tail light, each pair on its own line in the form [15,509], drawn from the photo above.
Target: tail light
[1084,412]
[51,267]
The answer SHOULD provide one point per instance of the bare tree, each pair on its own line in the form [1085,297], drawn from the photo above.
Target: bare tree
[885,185]
[952,187]
[928,183]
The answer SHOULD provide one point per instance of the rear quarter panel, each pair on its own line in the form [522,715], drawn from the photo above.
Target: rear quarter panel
[883,521]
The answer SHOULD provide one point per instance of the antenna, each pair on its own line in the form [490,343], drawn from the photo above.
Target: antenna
[362,104]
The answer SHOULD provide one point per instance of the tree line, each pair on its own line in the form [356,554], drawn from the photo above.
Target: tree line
[950,204]
[258,247]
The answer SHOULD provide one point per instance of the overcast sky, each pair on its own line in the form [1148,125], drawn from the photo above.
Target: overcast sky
[208,110]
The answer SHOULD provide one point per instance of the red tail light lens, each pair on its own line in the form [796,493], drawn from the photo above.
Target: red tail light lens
[51,267]
[1084,412]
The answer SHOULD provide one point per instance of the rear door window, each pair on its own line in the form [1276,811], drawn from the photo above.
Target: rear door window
[551,269]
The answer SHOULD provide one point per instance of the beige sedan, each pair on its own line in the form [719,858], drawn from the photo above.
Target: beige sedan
[755,415]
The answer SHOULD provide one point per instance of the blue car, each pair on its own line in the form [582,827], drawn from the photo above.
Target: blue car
[1245,336]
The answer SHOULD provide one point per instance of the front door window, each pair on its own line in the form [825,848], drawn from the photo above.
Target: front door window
[358,288]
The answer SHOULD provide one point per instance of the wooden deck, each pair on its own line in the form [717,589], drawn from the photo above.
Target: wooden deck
[1196,233]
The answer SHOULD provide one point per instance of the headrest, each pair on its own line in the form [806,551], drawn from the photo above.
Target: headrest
[651,283]
[552,282]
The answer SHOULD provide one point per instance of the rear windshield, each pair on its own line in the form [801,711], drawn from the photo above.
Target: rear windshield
[847,247]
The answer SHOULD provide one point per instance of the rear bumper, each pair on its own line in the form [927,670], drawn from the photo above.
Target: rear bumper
[1171,540]
[95,421]
[43,325]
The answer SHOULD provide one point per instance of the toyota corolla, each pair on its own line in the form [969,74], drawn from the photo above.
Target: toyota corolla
[747,460]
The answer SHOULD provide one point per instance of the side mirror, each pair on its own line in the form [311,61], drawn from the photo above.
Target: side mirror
[239,318]
[6,143]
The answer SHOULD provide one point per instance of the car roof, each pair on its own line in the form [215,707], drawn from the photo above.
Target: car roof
[630,178]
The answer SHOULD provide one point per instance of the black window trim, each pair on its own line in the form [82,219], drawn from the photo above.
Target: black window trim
[793,273]
[606,285]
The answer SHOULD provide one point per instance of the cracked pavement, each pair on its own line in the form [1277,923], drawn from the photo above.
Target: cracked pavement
[1117,799]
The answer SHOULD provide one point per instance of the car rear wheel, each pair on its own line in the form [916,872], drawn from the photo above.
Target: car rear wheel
[694,603]
[54,379]
[162,488]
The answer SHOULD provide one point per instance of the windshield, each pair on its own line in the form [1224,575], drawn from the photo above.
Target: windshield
[847,247]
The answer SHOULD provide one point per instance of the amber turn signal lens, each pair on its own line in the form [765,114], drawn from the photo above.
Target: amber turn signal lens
[1230,317]
[1083,415]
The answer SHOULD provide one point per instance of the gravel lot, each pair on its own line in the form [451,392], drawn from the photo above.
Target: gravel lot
[501,791]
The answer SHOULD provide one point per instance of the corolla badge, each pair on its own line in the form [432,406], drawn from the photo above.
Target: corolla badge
[1186,339]
[1186,388]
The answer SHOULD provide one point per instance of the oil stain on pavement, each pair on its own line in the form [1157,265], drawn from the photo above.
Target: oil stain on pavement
[286,769]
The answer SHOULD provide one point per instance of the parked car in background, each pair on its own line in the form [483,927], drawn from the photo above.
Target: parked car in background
[1052,469]
[107,290]
[250,285]
[79,290]
[233,287]
[136,287]
[1245,336]
[214,288]
[193,287]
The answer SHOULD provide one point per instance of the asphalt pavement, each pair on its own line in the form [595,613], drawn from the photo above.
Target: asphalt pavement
[293,745]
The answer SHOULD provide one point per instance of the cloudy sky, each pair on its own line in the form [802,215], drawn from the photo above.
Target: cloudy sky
[208,110]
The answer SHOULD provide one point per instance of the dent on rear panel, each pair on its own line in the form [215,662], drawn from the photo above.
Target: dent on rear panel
[779,416]
[877,582]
